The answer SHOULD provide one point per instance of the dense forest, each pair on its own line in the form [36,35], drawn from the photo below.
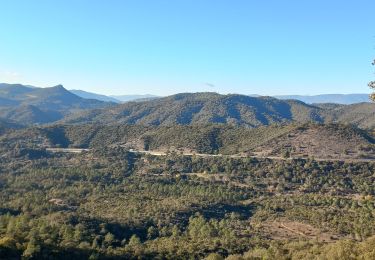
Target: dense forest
[109,202]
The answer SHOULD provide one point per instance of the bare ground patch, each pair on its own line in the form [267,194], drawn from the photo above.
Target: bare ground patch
[282,229]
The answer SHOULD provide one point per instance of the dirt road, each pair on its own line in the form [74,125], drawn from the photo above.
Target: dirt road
[204,155]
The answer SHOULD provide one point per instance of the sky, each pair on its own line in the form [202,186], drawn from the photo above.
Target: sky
[162,47]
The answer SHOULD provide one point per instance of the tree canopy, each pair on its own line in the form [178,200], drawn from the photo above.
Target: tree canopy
[372,85]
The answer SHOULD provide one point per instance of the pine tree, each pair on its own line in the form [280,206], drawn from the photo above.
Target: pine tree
[152,232]
[372,85]
[109,239]
[134,241]
[32,249]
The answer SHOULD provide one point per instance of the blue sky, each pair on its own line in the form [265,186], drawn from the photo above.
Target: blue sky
[267,47]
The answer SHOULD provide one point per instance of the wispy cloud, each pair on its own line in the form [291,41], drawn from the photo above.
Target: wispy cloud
[11,73]
[210,85]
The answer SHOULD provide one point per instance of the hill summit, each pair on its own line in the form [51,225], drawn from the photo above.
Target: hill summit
[29,105]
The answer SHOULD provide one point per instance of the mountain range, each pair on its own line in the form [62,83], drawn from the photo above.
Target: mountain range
[21,104]
[127,98]
[90,95]
[345,99]
[202,108]
[113,98]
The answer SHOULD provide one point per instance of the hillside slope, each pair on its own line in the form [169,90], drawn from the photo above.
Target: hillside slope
[300,140]
[361,114]
[321,141]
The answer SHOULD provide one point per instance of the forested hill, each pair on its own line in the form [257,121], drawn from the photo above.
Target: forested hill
[32,105]
[361,114]
[202,108]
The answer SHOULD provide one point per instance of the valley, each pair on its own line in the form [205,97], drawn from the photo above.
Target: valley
[187,130]
[133,191]
[185,176]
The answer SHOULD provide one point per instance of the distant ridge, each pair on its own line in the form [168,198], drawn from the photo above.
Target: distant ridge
[90,95]
[346,99]
[112,98]
[127,98]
